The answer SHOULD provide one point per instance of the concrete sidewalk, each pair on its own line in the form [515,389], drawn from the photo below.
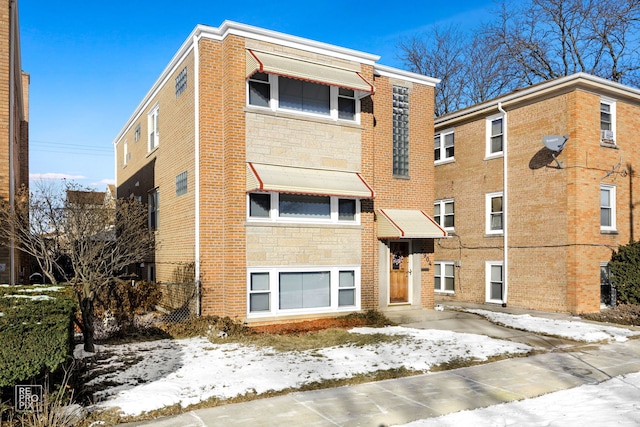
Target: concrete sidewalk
[566,364]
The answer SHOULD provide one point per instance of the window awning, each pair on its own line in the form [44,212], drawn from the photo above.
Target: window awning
[288,179]
[407,224]
[306,70]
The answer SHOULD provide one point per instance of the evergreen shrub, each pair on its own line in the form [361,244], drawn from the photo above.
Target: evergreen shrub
[625,273]
[36,331]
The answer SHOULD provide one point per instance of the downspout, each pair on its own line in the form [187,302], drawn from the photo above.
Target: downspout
[196,89]
[505,216]
[12,97]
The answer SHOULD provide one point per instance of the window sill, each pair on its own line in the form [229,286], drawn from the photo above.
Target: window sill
[607,144]
[500,234]
[494,156]
[609,232]
[444,162]
[407,177]
[443,293]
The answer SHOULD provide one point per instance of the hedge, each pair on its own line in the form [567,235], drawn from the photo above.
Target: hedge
[36,331]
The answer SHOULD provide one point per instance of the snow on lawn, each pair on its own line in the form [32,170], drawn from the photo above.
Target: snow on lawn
[151,375]
[613,402]
[575,330]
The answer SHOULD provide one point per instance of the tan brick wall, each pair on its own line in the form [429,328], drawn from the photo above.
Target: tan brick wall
[232,134]
[20,140]
[554,222]
[222,166]
[414,192]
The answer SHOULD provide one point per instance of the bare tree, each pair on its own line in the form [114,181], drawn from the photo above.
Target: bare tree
[99,238]
[526,43]
[439,54]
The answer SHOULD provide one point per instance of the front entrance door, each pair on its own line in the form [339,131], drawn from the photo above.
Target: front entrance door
[399,272]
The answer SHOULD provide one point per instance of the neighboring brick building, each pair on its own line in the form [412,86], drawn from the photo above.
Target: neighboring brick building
[287,174]
[561,217]
[14,132]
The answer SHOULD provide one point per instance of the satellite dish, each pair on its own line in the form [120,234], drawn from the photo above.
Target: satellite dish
[555,143]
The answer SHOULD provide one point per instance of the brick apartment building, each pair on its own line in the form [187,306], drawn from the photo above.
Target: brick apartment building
[14,132]
[559,209]
[292,177]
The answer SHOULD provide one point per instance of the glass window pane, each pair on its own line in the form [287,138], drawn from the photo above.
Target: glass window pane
[347,279]
[604,198]
[303,206]
[305,290]
[304,96]
[316,98]
[346,297]
[290,93]
[436,268]
[448,221]
[259,205]
[346,108]
[496,204]
[448,270]
[259,94]
[496,127]
[259,302]
[496,144]
[290,290]
[436,283]
[448,283]
[496,221]
[346,210]
[448,208]
[605,217]
[448,140]
[259,281]
[496,291]
[436,209]
[496,273]
[316,288]
[264,77]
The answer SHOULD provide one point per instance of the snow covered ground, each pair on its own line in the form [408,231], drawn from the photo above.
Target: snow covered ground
[152,375]
[611,403]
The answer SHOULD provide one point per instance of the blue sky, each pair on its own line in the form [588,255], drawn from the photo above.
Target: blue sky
[91,62]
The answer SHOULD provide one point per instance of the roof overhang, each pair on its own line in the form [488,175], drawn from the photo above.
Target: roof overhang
[301,69]
[296,180]
[407,224]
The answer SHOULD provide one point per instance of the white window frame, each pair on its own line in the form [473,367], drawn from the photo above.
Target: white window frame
[153,199]
[443,276]
[126,155]
[612,201]
[489,121]
[441,137]
[274,277]
[153,129]
[442,203]
[488,199]
[274,212]
[612,112]
[274,104]
[488,265]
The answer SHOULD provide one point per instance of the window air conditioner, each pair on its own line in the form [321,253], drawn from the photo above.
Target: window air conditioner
[606,135]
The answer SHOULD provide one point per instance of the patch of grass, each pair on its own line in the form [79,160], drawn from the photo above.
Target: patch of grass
[332,337]
[623,314]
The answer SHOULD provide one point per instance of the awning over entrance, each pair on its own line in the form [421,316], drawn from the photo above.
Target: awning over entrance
[306,70]
[407,224]
[288,179]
